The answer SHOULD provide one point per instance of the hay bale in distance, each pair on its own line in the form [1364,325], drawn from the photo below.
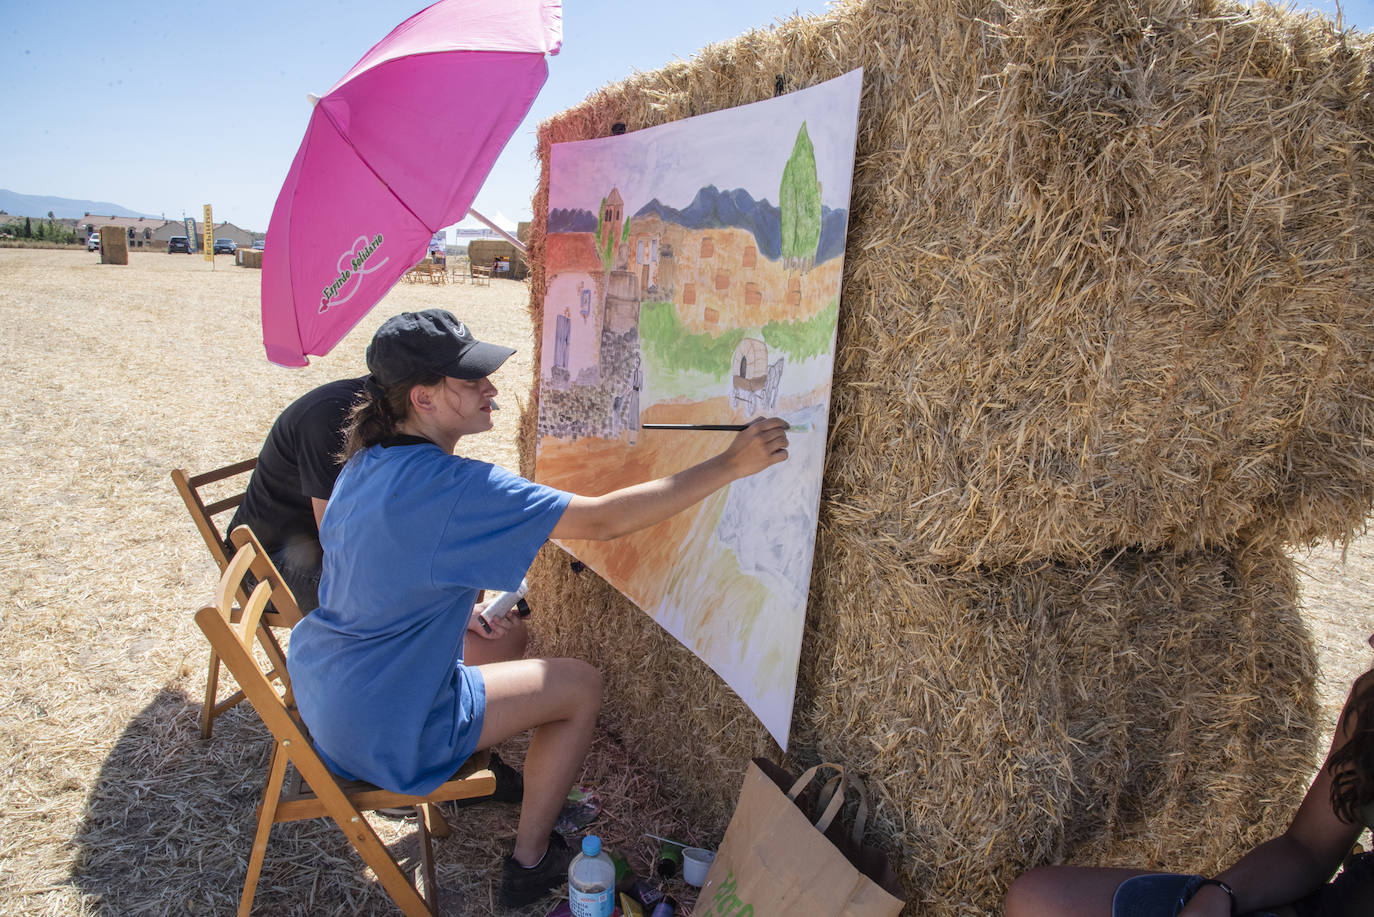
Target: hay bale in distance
[114,246]
[482,252]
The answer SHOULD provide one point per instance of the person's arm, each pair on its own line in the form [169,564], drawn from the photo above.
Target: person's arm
[620,512]
[1293,864]
[318,505]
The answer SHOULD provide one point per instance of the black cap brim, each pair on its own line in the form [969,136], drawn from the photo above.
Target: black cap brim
[477,360]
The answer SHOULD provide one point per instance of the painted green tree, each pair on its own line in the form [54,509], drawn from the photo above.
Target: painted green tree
[799,198]
[603,247]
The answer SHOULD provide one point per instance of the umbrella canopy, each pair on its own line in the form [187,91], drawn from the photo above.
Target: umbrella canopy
[388,160]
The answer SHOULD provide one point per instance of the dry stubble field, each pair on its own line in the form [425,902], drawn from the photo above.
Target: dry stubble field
[111,803]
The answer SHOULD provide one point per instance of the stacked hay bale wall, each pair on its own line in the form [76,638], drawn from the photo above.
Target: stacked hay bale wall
[1125,710]
[1105,344]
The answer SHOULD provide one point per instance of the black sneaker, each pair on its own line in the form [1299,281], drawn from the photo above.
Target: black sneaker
[521,886]
[510,786]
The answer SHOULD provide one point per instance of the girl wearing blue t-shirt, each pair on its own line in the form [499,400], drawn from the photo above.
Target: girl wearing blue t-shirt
[382,673]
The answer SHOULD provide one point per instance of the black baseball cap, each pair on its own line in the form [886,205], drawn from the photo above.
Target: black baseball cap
[413,345]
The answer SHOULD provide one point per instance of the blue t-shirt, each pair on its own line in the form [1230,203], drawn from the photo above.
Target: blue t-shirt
[410,535]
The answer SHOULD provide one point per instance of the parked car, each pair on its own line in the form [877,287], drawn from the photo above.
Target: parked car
[179,244]
[93,242]
[260,243]
[225,246]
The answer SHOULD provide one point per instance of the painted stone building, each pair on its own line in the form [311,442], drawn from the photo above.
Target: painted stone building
[573,309]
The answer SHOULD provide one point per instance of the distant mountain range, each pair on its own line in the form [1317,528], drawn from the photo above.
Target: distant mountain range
[63,208]
[712,208]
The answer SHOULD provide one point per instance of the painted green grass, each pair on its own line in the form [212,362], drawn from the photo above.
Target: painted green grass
[674,351]
[807,338]
[671,346]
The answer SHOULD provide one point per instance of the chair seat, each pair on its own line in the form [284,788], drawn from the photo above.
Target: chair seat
[298,801]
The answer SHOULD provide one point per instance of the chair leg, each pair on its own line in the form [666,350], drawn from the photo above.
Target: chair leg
[428,885]
[207,712]
[435,821]
[267,811]
[374,853]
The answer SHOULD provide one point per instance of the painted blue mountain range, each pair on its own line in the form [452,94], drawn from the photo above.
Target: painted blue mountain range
[713,208]
[571,220]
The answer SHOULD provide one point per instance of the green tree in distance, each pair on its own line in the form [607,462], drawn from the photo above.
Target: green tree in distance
[799,198]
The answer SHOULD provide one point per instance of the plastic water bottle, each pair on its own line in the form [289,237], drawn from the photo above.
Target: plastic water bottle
[591,880]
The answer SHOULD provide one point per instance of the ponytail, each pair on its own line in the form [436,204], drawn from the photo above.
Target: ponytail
[378,414]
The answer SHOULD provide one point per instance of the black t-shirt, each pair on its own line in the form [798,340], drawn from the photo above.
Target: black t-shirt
[297,462]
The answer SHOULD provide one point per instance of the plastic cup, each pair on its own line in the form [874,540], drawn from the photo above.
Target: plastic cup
[669,860]
[696,862]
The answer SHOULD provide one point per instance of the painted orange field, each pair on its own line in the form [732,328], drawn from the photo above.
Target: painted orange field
[638,563]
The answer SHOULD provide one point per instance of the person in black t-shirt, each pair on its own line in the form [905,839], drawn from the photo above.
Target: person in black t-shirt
[290,487]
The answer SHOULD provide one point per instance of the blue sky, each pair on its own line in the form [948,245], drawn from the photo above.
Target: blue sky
[164,107]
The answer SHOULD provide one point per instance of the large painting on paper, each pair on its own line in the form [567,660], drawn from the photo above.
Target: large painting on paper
[693,276]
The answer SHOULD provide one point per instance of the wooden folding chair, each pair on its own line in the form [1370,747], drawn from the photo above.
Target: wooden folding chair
[284,611]
[313,791]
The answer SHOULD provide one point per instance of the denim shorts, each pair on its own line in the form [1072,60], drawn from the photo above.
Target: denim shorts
[1349,894]
[1161,895]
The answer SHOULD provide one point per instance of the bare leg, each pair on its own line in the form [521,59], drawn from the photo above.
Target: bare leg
[559,699]
[510,645]
[1065,891]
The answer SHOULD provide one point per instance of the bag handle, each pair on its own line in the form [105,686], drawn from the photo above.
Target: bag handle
[834,790]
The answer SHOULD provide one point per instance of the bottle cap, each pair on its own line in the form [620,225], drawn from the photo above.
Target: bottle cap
[591,845]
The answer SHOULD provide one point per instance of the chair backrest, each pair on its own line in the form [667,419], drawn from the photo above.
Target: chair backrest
[203,514]
[284,611]
[233,640]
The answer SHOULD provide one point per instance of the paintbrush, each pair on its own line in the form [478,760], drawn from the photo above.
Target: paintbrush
[735,427]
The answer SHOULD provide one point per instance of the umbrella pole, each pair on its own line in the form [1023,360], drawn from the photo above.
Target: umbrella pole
[498,230]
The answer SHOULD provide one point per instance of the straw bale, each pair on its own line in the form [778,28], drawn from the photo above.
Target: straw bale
[114,247]
[481,252]
[1129,710]
[1107,279]
[1105,344]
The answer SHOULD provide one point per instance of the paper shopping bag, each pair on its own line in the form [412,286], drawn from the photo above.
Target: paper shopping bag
[777,860]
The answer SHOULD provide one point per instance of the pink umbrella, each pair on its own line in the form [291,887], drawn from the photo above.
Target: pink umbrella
[387,161]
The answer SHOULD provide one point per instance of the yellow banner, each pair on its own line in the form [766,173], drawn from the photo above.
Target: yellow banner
[208,236]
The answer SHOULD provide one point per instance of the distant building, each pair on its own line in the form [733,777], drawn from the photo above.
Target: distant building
[141,231]
[153,232]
